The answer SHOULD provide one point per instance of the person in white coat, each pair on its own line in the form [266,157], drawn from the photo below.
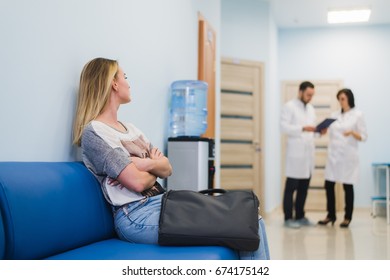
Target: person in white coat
[298,120]
[343,160]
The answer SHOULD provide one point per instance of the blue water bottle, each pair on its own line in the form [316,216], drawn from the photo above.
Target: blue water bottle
[188,112]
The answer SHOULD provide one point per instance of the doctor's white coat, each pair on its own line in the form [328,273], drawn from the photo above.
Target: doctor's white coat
[300,145]
[343,160]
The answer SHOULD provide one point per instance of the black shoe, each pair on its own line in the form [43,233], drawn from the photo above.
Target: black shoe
[326,221]
[345,223]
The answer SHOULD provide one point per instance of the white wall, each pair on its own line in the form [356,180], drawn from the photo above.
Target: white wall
[360,57]
[44,45]
[248,31]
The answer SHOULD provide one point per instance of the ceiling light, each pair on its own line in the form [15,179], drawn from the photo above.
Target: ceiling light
[347,16]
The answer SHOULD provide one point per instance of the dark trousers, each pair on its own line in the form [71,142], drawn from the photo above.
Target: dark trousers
[331,200]
[300,186]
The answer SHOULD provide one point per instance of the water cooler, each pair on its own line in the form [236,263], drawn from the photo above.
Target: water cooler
[191,156]
[192,160]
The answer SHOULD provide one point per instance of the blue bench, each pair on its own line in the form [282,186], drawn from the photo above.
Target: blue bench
[56,210]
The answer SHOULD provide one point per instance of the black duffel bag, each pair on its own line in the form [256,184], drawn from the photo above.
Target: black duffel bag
[229,218]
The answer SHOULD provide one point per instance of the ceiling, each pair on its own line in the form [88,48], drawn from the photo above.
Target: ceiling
[313,13]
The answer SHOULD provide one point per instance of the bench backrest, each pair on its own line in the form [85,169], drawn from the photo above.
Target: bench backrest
[50,207]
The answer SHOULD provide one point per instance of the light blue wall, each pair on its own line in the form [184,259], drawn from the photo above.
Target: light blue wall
[360,57]
[44,45]
[248,31]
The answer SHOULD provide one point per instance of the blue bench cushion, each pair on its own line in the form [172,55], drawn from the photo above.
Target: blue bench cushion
[50,208]
[115,249]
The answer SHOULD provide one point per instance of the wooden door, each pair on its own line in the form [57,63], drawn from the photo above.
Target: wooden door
[242,126]
[324,102]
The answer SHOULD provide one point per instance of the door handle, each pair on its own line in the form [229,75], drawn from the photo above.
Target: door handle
[256,147]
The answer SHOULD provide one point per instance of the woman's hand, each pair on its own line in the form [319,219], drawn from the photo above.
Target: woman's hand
[156,154]
[113,182]
[354,134]
[157,164]
[147,164]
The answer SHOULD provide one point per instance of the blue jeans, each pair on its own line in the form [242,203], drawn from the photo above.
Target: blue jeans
[138,223]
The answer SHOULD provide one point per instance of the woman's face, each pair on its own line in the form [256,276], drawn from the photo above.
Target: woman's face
[343,100]
[122,86]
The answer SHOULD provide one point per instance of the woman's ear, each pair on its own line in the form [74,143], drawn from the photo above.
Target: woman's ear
[114,85]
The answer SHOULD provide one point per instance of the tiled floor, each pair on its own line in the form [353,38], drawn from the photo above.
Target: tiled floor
[367,238]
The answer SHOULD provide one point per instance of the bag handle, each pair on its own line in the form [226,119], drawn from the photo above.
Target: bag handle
[212,191]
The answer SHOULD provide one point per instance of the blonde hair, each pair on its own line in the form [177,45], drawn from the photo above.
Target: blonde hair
[94,92]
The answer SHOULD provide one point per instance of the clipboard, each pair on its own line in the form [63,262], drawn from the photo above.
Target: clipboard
[324,124]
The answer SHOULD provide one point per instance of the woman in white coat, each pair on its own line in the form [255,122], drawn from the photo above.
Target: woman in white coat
[343,160]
